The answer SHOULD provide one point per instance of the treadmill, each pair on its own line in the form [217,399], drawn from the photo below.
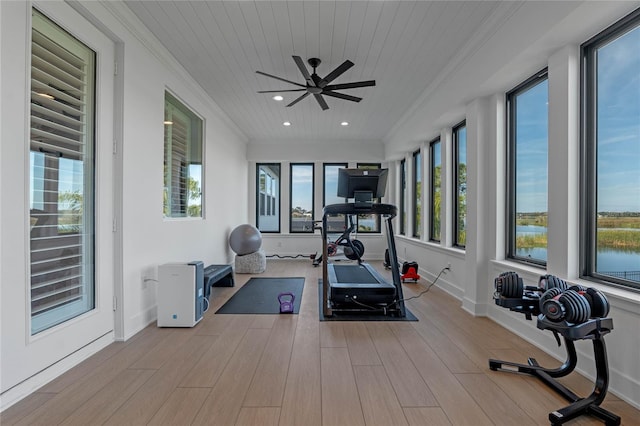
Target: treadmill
[359,288]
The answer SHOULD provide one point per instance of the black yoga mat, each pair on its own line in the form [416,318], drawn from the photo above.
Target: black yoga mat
[360,316]
[260,296]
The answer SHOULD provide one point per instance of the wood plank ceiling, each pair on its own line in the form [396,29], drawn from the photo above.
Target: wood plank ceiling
[402,45]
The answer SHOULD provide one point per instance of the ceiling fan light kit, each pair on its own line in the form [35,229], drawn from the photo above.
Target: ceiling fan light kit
[317,86]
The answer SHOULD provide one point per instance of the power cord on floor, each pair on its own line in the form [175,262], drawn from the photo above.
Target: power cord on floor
[289,257]
[386,307]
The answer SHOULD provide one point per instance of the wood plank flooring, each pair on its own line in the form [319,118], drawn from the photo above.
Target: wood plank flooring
[294,370]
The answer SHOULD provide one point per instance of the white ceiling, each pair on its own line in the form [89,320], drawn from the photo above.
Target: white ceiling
[404,46]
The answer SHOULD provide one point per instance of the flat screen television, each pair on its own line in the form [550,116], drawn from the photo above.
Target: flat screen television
[362,184]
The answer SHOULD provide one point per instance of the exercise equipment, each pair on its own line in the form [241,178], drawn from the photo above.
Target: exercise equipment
[286,302]
[410,272]
[352,248]
[245,239]
[575,314]
[359,287]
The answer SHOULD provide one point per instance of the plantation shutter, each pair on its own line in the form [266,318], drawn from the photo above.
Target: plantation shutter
[61,175]
[179,138]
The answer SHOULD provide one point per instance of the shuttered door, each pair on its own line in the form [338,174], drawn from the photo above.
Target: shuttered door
[61,175]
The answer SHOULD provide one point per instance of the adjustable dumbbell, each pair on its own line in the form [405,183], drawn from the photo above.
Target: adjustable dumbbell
[574,305]
[509,284]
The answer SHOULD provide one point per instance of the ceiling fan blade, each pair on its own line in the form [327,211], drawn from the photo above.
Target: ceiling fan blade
[278,91]
[336,73]
[299,99]
[350,85]
[279,78]
[321,101]
[341,96]
[304,71]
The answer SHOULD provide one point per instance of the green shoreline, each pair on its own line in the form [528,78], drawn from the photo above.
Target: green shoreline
[607,238]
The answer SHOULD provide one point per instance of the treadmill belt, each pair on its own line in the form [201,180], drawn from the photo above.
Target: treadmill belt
[355,274]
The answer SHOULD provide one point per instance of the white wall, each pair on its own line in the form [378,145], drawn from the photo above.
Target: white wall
[144,238]
[264,151]
[549,35]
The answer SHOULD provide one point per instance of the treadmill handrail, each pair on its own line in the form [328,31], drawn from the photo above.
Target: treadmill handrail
[350,208]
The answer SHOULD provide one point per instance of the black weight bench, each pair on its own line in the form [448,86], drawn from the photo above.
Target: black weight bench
[217,276]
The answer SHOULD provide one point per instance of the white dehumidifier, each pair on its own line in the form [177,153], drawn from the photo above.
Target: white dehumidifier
[180,294]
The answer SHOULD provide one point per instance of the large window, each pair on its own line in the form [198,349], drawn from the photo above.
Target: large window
[369,222]
[301,214]
[403,197]
[182,160]
[268,197]
[460,179]
[527,107]
[61,175]
[330,195]
[611,190]
[417,194]
[436,183]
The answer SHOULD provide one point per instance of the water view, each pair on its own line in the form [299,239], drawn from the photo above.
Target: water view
[618,262]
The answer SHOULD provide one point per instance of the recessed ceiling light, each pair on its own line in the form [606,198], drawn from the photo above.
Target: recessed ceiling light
[168,122]
[46,95]
[286,123]
[278,98]
[344,123]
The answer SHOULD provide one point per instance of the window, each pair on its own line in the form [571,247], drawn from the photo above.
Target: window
[436,183]
[460,179]
[268,197]
[301,192]
[611,150]
[336,223]
[403,197]
[369,222]
[182,160]
[417,194]
[61,175]
[528,119]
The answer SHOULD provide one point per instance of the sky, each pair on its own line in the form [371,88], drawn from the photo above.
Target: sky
[618,122]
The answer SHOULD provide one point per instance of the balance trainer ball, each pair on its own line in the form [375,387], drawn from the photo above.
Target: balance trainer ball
[245,239]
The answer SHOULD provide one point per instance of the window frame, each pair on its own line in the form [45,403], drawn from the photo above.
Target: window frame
[313,174]
[324,192]
[376,217]
[195,141]
[402,228]
[417,203]
[275,203]
[456,162]
[588,151]
[511,213]
[62,257]
[432,190]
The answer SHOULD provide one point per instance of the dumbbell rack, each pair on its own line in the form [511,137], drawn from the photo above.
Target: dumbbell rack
[595,330]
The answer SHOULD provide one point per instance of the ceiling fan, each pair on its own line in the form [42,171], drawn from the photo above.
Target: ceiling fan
[317,86]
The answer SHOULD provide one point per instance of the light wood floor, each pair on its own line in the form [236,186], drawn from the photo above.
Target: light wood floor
[295,370]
